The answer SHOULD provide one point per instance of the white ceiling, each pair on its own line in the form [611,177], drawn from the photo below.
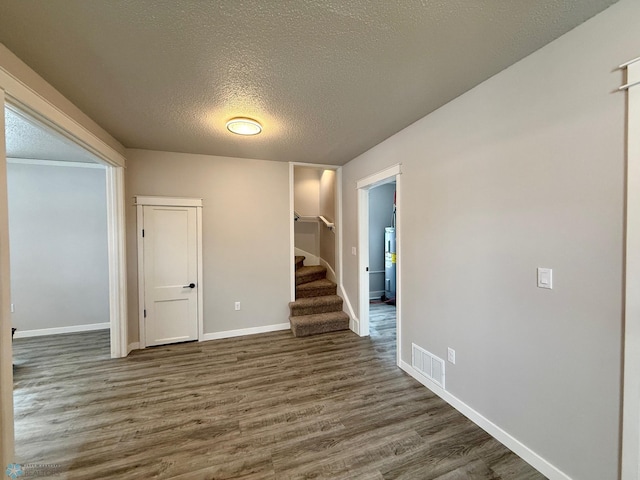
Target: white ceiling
[27,138]
[328,79]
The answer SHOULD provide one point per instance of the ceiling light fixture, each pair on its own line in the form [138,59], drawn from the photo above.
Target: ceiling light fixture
[244,126]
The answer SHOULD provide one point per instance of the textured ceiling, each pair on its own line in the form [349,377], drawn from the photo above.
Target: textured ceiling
[27,138]
[328,79]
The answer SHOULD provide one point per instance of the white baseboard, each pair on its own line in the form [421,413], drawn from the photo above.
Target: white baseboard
[59,330]
[309,258]
[245,331]
[376,294]
[331,274]
[354,323]
[520,449]
[133,346]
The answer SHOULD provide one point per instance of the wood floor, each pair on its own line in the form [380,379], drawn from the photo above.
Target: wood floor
[266,406]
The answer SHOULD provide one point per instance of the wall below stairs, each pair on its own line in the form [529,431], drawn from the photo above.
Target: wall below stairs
[245,233]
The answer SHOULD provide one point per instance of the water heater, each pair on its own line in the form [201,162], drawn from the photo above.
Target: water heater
[390,263]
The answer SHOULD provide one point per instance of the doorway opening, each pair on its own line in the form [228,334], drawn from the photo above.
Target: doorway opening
[382,260]
[17,95]
[387,309]
[59,264]
[315,214]
[318,304]
[59,259]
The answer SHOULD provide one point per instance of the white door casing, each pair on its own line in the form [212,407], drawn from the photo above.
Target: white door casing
[169,270]
[630,459]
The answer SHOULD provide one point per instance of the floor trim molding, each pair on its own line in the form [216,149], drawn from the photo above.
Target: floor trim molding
[245,331]
[60,330]
[517,447]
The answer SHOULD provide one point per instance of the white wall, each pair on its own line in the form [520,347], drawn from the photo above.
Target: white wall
[245,233]
[58,235]
[526,170]
[380,216]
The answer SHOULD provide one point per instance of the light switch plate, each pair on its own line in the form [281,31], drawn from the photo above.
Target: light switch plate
[545,278]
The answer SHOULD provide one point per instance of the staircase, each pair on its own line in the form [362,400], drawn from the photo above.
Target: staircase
[317,308]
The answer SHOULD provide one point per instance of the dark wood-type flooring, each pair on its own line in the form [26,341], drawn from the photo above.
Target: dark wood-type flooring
[268,406]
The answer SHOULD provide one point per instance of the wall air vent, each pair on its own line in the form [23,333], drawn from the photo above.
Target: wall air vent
[428,364]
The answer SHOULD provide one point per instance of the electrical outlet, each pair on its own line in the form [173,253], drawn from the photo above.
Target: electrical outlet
[13,308]
[451,355]
[237,305]
[353,250]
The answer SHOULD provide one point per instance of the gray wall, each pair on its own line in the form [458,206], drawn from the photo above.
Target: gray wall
[306,191]
[58,242]
[526,170]
[380,216]
[328,211]
[245,232]
[306,202]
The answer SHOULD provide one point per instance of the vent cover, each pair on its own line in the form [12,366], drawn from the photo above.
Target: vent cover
[428,364]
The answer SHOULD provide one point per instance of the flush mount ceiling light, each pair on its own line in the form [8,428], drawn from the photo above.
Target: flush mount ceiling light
[244,126]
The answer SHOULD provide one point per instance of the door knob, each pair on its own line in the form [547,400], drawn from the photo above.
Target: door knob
[191,285]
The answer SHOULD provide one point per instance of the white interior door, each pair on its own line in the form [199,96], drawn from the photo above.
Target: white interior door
[170,249]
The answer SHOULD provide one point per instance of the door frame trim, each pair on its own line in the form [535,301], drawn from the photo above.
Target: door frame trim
[630,457]
[141,201]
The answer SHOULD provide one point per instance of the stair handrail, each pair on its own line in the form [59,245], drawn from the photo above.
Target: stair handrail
[327,223]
